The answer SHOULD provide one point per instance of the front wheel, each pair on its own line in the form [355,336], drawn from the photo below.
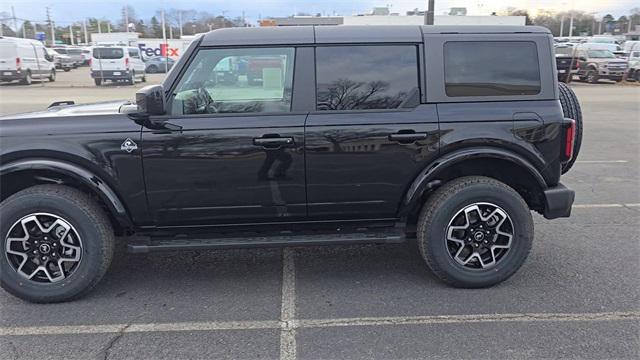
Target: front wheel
[97,81]
[475,232]
[592,77]
[57,243]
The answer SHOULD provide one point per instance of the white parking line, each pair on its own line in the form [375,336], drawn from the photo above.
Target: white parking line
[316,323]
[453,319]
[288,310]
[602,161]
[595,206]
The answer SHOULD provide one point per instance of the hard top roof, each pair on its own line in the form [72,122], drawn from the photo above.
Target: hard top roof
[292,35]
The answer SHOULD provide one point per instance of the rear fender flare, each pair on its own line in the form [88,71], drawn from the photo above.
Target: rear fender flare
[427,179]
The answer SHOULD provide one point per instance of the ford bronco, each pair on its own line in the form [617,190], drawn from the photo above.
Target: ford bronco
[323,135]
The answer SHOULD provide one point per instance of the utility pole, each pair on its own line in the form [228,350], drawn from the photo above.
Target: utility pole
[24,29]
[84,27]
[571,26]
[15,22]
[108,27]
[428,15]
[53,31]
[125,12]
[180,22]
[561,25]
[71,33]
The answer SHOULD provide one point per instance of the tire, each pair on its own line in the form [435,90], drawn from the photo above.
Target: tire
[152,69]
[592,77]
[52,76]
[66,69]
[144,78]
[456,196]
[571,109]
[637,75]
[83,217]
[132,78]
[98,81]
[27,80]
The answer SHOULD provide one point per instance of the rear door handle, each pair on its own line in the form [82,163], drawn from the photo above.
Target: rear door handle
[407,137]
[273,142]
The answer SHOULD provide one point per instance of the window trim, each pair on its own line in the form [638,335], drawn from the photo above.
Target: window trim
[419,62]
[171,91]
[444,62]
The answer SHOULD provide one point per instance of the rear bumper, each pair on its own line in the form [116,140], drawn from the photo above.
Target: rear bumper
[111,75]
[558,201]
[7,75]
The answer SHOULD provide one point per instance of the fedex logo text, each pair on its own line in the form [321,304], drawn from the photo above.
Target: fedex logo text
[163,50]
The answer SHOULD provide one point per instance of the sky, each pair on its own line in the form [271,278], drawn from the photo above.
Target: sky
[66,11]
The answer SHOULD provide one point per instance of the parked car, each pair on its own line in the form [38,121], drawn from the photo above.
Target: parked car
[567,64]
[634,65]
[63,62]
[25,60]
[348,138]
[74,53]
[159,64]
[600,64]
[117,63]
[86,55]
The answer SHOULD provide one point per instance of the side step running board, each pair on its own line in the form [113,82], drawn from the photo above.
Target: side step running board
[145,245]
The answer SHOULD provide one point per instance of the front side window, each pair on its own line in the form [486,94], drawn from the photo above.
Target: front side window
[236,81]
[367,77]
[491,68]
[600,54]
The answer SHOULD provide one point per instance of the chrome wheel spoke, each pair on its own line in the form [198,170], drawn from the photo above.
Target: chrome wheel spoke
[479,235]
[43,247]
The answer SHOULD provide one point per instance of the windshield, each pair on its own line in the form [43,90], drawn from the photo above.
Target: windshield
[605,54]
[108,53]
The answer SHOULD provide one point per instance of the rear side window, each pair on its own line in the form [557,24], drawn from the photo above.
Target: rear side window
[108,53]
[367,77]
[134,53]
[491,68]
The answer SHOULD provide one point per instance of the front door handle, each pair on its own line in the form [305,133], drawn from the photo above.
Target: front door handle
[273,142]
[407,136]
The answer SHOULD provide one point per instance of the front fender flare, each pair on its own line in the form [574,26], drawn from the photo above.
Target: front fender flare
[106,193]
[427,177]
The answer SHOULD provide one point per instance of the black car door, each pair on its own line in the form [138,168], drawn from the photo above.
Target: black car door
[370,135]
[232,149]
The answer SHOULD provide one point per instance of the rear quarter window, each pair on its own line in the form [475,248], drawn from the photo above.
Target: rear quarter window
[491,68]
[108,53]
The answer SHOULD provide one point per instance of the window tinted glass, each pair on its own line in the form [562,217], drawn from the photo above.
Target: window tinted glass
[134,53]
[108,53]
[61,51]
[484,68]
[236,81]
[367,77]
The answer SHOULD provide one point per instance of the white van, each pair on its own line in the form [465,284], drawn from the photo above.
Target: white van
[117,63]
[25,60]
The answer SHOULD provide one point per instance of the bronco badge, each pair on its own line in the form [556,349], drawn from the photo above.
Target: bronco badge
[128,145]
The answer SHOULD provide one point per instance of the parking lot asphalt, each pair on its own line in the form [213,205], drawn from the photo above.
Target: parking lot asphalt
[577,296]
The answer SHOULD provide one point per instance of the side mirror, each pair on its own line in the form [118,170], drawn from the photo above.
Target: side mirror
[150,100]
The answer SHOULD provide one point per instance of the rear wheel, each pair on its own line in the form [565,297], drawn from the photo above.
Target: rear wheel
[152,69]
[637,75]
[57,243]
[132,78]
[98,81]
[475,232]
[592,77]
[27,79]
[571,109]
[52,76]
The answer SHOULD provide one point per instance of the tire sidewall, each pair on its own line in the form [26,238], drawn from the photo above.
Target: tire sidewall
[521,242]
[92,249]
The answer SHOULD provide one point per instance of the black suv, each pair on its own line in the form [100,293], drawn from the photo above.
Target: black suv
[445,135]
